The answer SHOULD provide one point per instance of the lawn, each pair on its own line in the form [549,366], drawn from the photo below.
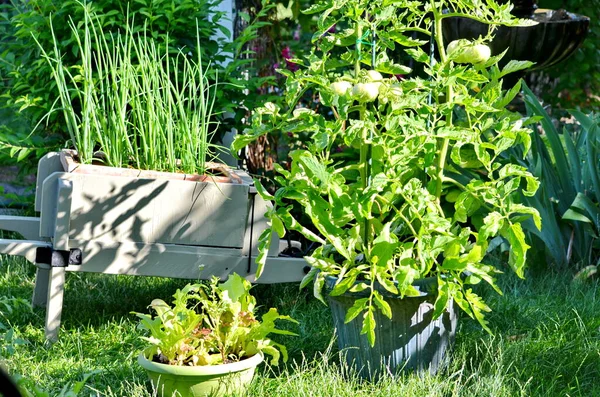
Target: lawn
[545,342]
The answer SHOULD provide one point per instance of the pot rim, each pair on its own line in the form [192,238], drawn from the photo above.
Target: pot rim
[218,369]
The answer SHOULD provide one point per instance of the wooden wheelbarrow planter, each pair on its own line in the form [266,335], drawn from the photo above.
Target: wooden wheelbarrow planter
[122,221]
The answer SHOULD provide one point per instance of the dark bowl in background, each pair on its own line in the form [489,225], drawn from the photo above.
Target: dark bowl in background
[547,43]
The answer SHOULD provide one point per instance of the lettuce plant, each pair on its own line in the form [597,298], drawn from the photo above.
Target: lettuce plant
[211,324]
[403,177]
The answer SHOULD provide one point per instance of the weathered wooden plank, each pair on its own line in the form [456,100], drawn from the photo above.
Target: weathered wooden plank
[47,165]
[146,210]
[156,259]
[24,248]
[180,261]
[162,211]
[28,227]
[63,208]
[56,289]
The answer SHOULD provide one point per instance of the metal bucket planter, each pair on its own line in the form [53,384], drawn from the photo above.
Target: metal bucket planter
[124,221]
[201,381]
[410,341]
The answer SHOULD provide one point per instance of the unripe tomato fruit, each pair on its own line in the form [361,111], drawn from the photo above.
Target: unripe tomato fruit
[473,53]
[340,88]
[365,92]
[374,76]
[395,90]
[480,53]
[452,46]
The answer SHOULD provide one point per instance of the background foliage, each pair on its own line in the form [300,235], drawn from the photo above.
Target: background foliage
[578,78]
[567,162]
[287,36]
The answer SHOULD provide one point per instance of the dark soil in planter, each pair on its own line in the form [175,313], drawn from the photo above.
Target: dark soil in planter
[161,359]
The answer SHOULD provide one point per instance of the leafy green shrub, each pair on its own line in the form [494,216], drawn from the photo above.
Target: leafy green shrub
[15,128]
[568,200]
[424,188]
[288,36]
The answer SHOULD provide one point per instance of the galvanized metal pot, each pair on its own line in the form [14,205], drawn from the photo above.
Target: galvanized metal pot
[410,341]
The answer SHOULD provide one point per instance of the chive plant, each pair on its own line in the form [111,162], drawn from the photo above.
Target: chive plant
[137,104]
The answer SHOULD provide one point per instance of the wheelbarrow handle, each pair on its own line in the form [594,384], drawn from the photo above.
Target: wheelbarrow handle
[25,248]
[28,227]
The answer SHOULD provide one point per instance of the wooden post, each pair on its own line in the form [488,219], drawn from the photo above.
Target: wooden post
[56,276]
[56,288]
[40,291]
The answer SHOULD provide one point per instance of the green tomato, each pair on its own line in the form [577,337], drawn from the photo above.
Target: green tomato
[395,90]
[340,88]
[454,45]
[373,76]
[365,92]
[481,53]
[471,53]
[387,92]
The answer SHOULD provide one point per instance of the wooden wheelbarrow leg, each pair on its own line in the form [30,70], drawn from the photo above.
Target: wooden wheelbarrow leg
[55,276]
[56,288]
[49,257]
[40,290]
[28,227]
[28,249]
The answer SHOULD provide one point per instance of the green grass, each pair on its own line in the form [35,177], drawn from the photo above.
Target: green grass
[546,341]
